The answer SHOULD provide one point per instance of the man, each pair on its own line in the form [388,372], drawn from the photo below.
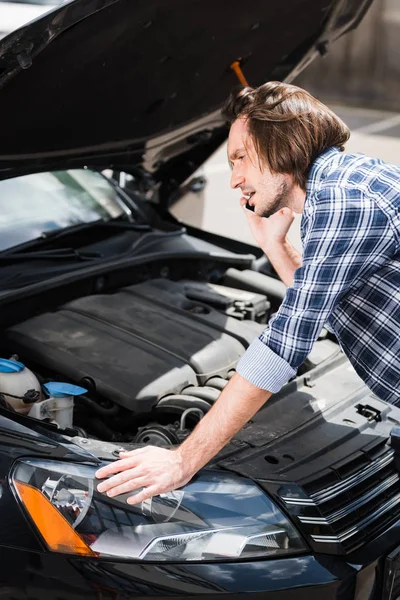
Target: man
[286,153]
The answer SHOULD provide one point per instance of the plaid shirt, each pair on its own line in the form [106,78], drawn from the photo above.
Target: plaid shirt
[349,279]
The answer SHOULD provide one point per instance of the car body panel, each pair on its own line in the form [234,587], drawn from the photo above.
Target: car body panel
[148,78]
[304,577]
[139,86]
[301,578]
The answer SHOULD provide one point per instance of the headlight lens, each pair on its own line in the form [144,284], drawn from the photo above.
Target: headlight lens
[217,516]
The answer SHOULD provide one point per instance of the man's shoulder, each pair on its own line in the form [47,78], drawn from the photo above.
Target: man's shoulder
[352,185]
[348,175]
[361,172]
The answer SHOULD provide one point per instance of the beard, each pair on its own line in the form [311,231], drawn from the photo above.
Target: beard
[280,201]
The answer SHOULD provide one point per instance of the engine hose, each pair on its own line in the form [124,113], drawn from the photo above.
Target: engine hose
[100,410]
[209,394]
[217,383]
[30,397]
[181,402]
[188,411]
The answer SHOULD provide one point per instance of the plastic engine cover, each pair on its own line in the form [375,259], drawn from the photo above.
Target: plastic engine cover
[138,344]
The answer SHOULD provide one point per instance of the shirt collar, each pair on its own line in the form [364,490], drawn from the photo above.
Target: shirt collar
[319,168]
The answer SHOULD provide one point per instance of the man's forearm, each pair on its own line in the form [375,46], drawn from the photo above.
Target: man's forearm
[285,259]
[152,470]
[239,401]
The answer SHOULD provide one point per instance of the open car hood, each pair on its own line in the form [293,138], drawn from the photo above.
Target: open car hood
[139,84]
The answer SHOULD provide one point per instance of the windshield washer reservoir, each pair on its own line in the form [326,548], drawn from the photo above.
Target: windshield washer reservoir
[59,407]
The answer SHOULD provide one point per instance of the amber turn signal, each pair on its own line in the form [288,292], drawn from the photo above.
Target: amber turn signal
[54,528]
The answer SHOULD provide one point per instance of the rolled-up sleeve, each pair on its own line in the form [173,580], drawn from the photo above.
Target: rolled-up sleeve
[340,237]
[263,368]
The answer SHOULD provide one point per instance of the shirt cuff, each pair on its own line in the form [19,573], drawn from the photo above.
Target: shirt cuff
[263,368]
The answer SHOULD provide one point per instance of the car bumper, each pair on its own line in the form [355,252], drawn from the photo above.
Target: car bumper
[31,575]
[28,575]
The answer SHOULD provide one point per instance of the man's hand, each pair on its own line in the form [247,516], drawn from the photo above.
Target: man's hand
[271,231]
[270,235]
[156,470]
[159,470]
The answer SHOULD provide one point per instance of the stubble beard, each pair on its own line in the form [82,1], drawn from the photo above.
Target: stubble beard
[281,200]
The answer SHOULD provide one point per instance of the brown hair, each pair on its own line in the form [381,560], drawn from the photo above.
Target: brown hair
[289,127]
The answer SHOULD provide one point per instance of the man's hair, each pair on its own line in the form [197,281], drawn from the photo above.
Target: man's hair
[289,127]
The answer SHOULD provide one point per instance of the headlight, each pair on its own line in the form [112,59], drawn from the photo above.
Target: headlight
[215,517]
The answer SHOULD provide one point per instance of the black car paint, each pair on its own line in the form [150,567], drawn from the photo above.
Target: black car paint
[302,578]
[28,571]
[45,575]
[141,84]
[137,104]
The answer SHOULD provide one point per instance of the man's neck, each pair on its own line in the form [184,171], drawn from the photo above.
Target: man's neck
[297,199]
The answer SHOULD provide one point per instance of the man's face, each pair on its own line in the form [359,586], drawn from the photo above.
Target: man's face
[263,190]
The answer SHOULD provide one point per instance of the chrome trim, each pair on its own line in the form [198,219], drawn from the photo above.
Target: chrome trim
[297,502]
[353,480]
[346,510]
[338,539]
[343,486]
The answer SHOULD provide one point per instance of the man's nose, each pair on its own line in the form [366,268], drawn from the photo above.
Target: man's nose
[236,179]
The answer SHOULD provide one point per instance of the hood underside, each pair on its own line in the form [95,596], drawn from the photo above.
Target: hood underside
[139,83]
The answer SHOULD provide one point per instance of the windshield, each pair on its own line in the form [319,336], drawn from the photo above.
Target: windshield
[34,204]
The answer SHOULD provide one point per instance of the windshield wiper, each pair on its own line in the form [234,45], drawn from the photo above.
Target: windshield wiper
[125,225]
[71,229]
[59,254]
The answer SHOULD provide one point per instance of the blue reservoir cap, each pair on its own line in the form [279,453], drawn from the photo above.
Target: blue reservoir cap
[10,366]
[57,389]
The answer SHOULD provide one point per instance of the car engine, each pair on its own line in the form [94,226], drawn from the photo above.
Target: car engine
[152,357]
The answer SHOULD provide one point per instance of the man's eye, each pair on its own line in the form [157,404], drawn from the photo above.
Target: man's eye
[232,164]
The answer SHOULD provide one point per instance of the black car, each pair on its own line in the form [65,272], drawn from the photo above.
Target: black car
[120,326]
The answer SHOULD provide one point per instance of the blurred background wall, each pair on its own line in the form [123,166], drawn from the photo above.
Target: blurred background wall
[363,67]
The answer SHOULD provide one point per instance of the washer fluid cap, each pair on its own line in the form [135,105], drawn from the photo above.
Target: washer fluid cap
[57,389]
[10,366]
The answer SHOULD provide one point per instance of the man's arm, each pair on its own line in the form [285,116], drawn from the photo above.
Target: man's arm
[161,470]
[340,241]
[285,259]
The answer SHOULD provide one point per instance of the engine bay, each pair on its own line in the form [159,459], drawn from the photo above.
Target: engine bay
[151,357]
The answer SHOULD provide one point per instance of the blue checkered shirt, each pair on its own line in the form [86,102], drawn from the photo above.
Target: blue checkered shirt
[349,280]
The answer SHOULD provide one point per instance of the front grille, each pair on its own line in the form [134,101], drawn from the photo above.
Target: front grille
[350,503]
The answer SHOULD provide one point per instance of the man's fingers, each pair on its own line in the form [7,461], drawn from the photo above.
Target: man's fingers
[156,470]
[145,494]
[129,486]
[128,461]
[288,213]
[137,452]
[115,467]
[119,479]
